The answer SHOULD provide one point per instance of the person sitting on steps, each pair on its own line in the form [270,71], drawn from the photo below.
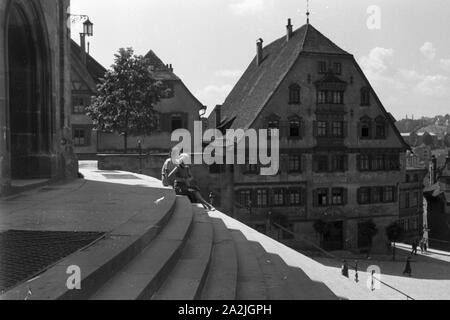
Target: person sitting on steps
[184,182]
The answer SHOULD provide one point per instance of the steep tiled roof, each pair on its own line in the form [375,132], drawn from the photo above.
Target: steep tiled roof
[95,69]
[159,70]
[258,83]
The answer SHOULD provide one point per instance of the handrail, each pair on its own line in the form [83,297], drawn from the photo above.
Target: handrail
[335,257]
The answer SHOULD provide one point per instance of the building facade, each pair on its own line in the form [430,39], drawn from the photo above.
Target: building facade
[177,111]
[86,75]
[35,140]
[411,202]
[438,199]
[342,158]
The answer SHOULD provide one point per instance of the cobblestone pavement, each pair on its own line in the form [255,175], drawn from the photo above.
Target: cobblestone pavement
[430,278]
[24,254]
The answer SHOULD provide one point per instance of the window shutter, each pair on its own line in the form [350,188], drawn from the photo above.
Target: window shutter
[359,134]
[284,129]
[302,129]
[346,163]
[284,163]
[329,129]
[315,164]
[304,199]
[185,118]
[359,196]
[315,199]
[345,196]
[345,129]
[303,163]
[358,162]
[165,122]
[88,134]
[315,128]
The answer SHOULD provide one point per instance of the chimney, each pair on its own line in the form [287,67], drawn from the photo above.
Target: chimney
[433,170]
[83,47]
[170,68]
[218,113]
[289,30]
[259,51]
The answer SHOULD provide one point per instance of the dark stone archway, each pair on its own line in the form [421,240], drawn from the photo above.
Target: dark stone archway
[29,108]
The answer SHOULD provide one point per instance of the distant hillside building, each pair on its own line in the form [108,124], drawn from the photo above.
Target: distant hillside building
[342,157]
[438,197]
[35,140]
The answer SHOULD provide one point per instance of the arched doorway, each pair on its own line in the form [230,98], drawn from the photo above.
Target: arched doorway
[28,95]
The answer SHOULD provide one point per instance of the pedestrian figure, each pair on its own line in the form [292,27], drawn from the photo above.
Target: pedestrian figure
[414,247]
[425,246]
[184,182]
[408,269]
[168,167]
[356,272]
[345,269]
[372,283]
[422,245]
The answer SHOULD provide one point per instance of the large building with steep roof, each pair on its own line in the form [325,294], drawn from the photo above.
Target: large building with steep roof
[179,110]
[341,156]
[86,75]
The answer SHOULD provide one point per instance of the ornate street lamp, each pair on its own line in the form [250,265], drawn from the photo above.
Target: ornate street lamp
[88,28]
[88,31]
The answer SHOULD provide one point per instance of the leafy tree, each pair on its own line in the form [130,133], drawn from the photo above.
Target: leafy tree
[394,233]
[126,97]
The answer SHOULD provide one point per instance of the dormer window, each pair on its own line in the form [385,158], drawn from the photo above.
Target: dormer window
[365,128]
[330,97]
[273,125]
[176,121]
[295,124]
[337,68]
[294,94]
[365,96]
[323,67]
[78,106]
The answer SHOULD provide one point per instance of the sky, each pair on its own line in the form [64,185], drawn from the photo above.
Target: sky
[403,46]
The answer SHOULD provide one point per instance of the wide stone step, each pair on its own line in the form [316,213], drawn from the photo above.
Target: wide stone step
[277,285]
[146,272]
[250,281]
[222,276]
[187,278]
[292,281]
[101,261]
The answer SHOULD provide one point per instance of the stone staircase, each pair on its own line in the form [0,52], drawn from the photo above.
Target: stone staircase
[195,257]
[181,253]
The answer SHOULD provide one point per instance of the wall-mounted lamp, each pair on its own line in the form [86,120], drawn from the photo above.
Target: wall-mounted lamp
[203,111]
[88,31]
